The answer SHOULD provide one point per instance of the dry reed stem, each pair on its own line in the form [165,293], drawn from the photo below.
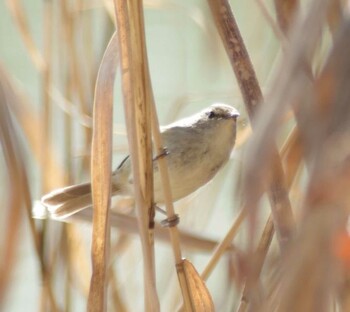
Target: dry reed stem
[188,294]
[76,65]
[45,136]
[222,246]
[291,79]
[335,15]
[128,224]
[286,12]
[192,286]
[329,104]
[101,165]
[249,294]
[32,126]
[312,270]
[46,80]
[117,302]
[271,22]
[188,289]
[19,16]
[252,96]
[137,115]
[15,171]
[136,28]
[16,103]
[80,264]
[291,153]
[285,292]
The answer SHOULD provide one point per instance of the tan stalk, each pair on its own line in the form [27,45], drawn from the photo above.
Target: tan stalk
[137,115]
[46,80]
[81,85]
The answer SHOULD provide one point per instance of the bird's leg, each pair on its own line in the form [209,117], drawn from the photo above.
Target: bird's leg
[162,211]
[164,153]
[174,220]
[168,222]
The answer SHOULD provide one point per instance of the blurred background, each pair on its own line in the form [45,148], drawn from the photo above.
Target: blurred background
[49,57]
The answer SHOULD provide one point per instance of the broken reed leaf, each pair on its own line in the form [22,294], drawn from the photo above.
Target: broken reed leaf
[101,165]
[199,297]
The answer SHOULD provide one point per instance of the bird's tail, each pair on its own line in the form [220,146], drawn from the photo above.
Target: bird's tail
[66,201]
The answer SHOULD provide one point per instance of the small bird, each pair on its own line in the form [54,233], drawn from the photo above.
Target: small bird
[197,147]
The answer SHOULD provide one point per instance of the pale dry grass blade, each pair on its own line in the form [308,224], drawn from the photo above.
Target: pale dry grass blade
[101,165]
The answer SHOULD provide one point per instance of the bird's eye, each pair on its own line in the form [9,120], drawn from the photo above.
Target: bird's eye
[211,115]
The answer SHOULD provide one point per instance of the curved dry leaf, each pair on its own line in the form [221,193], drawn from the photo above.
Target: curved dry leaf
[101,161]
